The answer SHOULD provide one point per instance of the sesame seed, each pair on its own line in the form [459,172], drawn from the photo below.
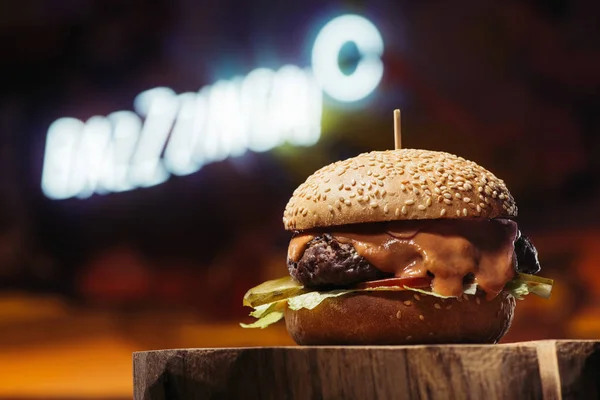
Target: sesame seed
[380,183]
[304,212]
[458,213]
[428,202]
[407,302]
[330,208]
[397,212]
[436,305]
[348,187]
[408,337]
[447,201]
[443,212]
[421,207]
[373,204]
[386,209]
[465,297]
[449,306]
[347,202]
[478,208]
[466,199]
[465,212]
[399,314]
[457,195]
[479,189]
[447,195]
[416,296]
[404,211]
[430,333]
[409,202]
[352,195]
[402,187]
[477,300]
[437,190]
[353,182]
[421,317]
[340,186]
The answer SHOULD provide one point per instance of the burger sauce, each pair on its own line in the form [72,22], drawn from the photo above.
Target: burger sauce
[447,249]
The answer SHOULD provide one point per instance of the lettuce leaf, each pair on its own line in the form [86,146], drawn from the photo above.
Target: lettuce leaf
[267,314]
[524,284]
[265,320]
[468,289]
[286,292]
[312,299]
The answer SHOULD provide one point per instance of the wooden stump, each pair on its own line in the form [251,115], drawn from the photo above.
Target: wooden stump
[529,370]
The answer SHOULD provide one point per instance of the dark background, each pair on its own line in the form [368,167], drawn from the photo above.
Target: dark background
[512,85]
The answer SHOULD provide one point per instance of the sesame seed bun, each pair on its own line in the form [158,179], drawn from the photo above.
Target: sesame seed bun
[404,317]
[393,185]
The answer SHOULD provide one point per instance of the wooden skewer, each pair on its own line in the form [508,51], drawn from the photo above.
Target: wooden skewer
[397,130]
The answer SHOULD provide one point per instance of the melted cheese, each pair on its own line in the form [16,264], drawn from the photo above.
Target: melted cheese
[448,249]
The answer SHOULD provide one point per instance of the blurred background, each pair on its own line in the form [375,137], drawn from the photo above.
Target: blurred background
[91,271]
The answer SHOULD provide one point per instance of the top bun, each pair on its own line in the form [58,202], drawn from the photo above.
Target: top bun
[396,185]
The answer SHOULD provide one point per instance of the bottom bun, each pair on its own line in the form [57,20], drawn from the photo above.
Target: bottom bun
[403,317]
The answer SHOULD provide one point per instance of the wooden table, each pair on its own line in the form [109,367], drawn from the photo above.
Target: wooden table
[530,370]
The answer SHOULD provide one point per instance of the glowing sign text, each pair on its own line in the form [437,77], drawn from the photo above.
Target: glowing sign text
[176,134]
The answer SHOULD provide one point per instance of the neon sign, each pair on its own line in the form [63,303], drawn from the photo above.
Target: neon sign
[177,134]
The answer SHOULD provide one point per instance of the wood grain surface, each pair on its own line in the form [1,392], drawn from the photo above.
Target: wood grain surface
[529,370]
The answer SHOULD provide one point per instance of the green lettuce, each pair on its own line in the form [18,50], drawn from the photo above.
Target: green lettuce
[468,289]
[524,284]
[267,314]
[286,292]
[265,320]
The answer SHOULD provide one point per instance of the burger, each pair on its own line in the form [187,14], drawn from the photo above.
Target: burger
[400,247]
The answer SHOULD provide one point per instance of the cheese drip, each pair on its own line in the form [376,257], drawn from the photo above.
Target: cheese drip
[448,249]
